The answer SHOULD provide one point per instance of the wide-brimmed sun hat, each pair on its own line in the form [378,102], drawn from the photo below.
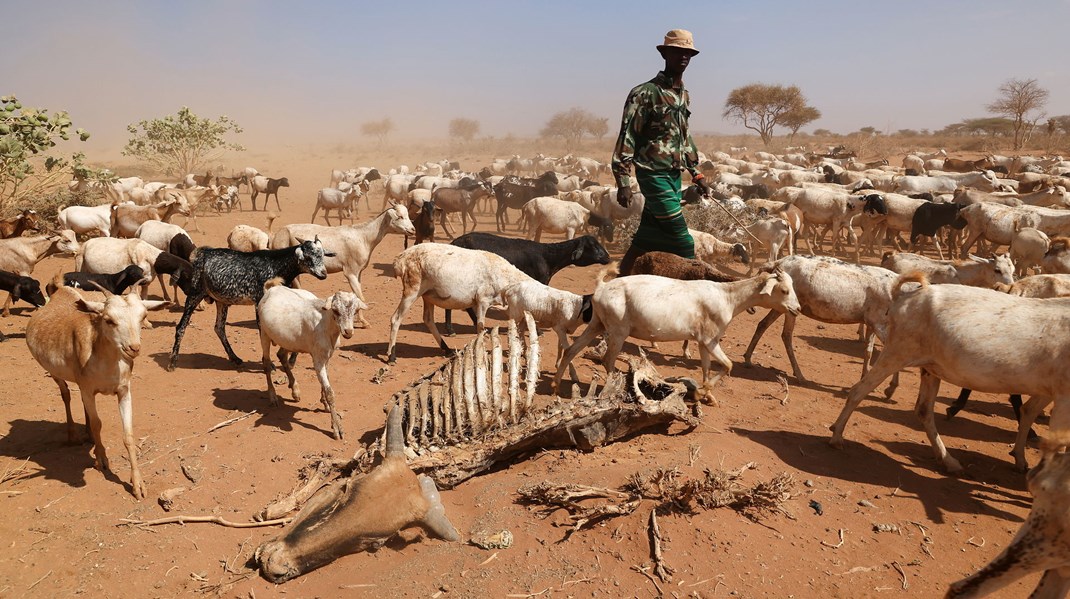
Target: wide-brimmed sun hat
[679,38]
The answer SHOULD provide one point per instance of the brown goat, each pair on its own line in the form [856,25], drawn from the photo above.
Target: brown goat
[358,514]
[423,219]
[17,225]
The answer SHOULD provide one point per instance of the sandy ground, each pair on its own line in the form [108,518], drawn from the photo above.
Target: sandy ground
[60,519]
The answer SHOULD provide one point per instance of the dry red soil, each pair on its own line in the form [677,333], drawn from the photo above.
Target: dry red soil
[60,532]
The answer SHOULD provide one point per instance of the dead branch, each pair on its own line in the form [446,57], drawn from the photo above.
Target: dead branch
[836,546]
[229,422]
[196,519]
[644,572]
[660,569]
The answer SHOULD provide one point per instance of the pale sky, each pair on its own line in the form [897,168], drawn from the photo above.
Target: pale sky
[296,71]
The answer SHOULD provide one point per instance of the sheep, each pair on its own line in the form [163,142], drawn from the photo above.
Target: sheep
[330,198]
[116,283]
[909,184]
[231,278]
[836,292]
[1057,259]
[977,272]
[1041,542]
[664,264]
[452,278]
[351,246]
[93,344]
[86,219]
[559,310]
[996,224]
[15,226]
[655,308]
[713,251]
[358,513]
[267,186]
[1028,247]
[1010,346]
[22,288]
[126,218]
[20,254]
[246,238]
[299,322]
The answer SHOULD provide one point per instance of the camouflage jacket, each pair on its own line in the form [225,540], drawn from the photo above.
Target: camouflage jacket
[653,131]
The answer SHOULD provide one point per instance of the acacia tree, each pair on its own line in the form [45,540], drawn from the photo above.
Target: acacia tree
[380,129]
[570,125]
[463,128]
[598,127]
[28,165]
[796,119]
[181,143]
[1022,101]
[760,107]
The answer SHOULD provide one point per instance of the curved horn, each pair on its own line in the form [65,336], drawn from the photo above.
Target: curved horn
[395,439]
[99,288]
[435,519]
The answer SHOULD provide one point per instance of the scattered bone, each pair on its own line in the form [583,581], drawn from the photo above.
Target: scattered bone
[532,363]
[167,498]
[886,528]
[502,539]
[514,372]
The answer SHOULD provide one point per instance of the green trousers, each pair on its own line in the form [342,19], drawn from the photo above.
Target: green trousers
[662,227]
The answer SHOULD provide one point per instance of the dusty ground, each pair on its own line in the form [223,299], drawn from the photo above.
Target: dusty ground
[60,518]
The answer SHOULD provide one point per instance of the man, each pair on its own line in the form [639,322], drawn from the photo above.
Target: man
[654,138]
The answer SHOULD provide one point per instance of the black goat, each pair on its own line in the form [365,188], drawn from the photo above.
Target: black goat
[964,396]
[22,288]
[271,188]
[181,272]
[182,246]
[514,192]
[116,283]
[230,277]
[424,223]
[540,261]
[930,217]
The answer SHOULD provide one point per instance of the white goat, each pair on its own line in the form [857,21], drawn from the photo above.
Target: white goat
[559,310]
[107,255]
[20,254]
[1007,347]
[86,219]
[1057,260]
[452,278]
[299,322]
[654,308]
[976,272]
[1028,247]
[330,198]
[551,215]
[352,245]
[247,238]
[93,344]
[1039,286]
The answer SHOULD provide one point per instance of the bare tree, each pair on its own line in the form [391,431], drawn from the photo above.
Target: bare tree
[463,128]
[380,129]
[1022,101]
[760,107]
[570,125]
[796,119]
[598,127]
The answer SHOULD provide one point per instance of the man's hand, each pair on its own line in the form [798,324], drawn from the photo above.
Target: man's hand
[624,196]
[703,187]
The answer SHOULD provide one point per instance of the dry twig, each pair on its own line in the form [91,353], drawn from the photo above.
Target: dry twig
[230,421]
[195,519]
[837,545]
[663,572]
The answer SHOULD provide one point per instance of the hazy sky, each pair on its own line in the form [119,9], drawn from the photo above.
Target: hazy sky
[300,70]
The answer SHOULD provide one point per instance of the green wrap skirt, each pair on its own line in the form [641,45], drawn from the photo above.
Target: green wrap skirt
[662,227]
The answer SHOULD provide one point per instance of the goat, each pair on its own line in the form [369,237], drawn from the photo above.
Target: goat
[350,246]
[1028,247]
[515,193]
[358,514]
[19,255]
[1041,542]
[299,322]
[237,278]
[659,309]
[116,283]
[330,198]
[106,255]
[246,238]
[22,288]
[713,251]
[664,264]
[929,218]
[423,222]
[126,218]
[559,310]
[15,226]
[461,199]
[85,219]
[979,272]
[452,278]
[939,329]
[540,261]
[267,186]
[93,344]
[1057,258]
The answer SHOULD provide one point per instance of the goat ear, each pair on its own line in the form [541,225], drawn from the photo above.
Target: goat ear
[300,255]
[89,307]
[577,253]
[329,304]
[767,288]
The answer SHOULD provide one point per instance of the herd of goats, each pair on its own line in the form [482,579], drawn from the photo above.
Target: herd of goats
[994,324]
